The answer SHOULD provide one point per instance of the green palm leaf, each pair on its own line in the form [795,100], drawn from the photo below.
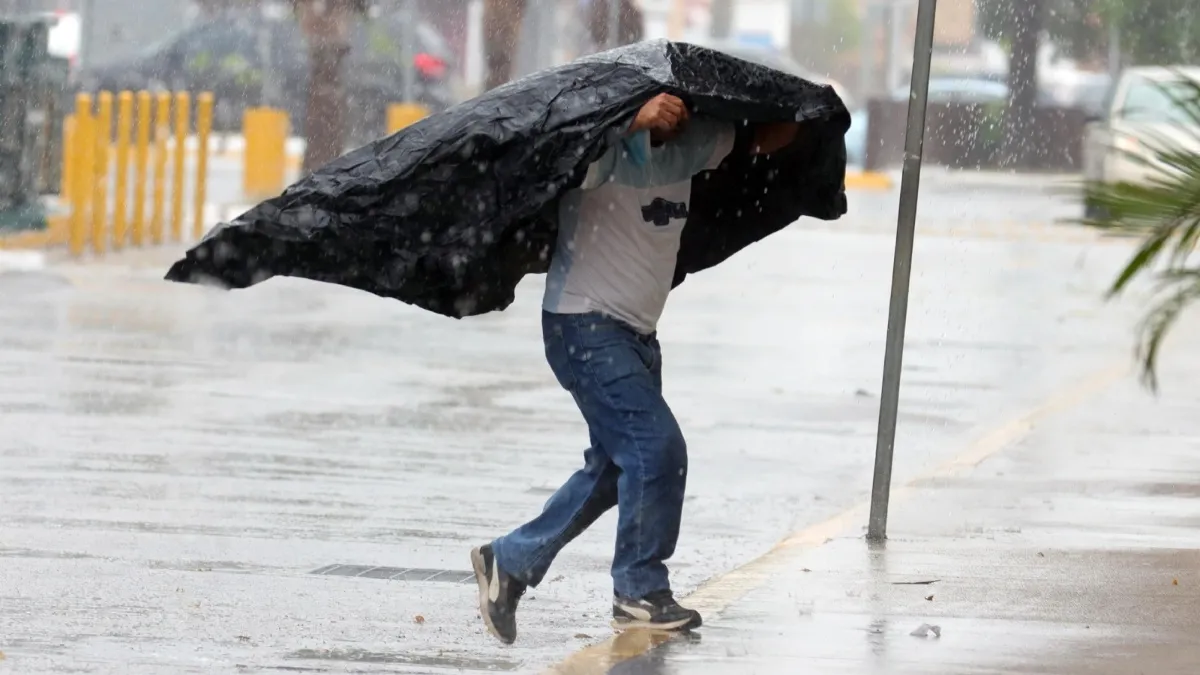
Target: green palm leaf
[1164,213]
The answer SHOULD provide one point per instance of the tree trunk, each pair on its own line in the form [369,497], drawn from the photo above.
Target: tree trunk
[1021,145]
[326,26]
[501,30]
[722,19]
[630,27]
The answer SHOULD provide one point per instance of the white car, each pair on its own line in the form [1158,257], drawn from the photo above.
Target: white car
[1143,116]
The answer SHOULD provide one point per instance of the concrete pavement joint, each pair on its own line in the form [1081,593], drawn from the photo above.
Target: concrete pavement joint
[722,592]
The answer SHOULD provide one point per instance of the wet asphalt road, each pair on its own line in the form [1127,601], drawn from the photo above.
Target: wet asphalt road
[176,462]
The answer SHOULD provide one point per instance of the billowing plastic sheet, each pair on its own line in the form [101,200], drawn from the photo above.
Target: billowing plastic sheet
[452,212]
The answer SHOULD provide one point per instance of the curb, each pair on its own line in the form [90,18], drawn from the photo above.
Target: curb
[292,161]
[55,234]
[868,180]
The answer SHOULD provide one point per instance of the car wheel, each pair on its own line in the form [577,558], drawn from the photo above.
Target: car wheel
[1092,210]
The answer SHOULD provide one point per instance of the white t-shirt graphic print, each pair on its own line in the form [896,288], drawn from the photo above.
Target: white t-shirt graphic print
[619,232]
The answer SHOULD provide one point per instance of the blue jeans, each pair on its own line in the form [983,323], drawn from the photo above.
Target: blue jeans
[637,462]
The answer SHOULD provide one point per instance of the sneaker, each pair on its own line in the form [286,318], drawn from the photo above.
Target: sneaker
[656,611]
[498,595]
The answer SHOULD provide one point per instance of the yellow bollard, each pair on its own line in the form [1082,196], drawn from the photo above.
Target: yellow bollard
[141,160]
[100,195]
[204,117]
[182,110]
[162,129]
[80,168]
[68,148]
[264,161]
[401,115]
[120,213]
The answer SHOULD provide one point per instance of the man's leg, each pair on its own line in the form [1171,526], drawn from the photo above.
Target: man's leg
[527,552]
[521,558]
[619,376]
[655,609]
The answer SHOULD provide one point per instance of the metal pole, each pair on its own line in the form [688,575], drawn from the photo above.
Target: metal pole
[547,34]
[914,138]
[87,15]
[266,51]
[408,40]
[895,37]
[1114,50]
[866,54]
[722,19]
[614,24]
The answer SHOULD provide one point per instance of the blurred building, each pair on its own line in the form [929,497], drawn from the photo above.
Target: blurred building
[116,29]
[112,29]
[884,56]
[762,23]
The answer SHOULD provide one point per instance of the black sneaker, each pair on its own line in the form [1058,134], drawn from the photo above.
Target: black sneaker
[498,595]
[656,611]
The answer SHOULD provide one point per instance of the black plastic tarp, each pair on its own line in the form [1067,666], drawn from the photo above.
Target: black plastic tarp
[452,212]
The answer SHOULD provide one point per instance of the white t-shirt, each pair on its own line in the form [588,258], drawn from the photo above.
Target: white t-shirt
[619,232]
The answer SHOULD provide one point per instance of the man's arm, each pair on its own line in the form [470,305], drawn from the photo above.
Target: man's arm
[702,145]
[663,113]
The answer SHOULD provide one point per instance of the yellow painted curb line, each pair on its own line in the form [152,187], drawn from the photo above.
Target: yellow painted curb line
[720,593]
[868,180]
[55,234]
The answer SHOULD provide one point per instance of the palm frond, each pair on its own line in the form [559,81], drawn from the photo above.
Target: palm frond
[1182,289]
[1164,213]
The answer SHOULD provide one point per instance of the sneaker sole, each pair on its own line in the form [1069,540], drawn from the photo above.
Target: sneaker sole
[480,567]
[669,627]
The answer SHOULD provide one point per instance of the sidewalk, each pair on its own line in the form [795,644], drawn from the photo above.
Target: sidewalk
[274,479]
[1069,550]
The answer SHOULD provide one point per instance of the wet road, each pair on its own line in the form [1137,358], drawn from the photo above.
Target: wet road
[178,462]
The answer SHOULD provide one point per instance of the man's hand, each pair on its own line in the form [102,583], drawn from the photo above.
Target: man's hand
[661,113]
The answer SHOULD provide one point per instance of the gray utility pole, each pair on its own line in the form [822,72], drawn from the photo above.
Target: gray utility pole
[1114,50]
[722,19]
[408,54]
[893,357]
[897,23]
[87,13]
[866,54]
[614,23]
[268,83]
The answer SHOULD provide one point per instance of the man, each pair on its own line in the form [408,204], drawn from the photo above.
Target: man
[619,235]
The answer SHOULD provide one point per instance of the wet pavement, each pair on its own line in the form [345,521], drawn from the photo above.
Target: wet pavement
[1072,551]
[177,462]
